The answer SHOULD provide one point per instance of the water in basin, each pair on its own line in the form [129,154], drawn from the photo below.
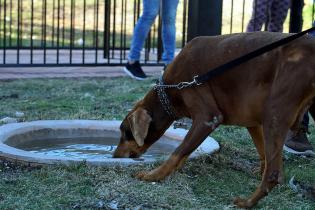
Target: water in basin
[90,147]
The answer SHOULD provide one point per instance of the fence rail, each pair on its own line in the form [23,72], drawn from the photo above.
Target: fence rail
[95,32]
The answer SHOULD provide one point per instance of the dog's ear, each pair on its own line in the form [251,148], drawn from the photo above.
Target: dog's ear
[139,122]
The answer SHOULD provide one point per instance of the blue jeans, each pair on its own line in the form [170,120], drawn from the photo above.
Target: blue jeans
[150,11]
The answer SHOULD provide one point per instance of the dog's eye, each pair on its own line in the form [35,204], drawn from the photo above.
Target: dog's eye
[128,135]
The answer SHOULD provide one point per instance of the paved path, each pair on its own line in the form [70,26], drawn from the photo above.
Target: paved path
[67,72]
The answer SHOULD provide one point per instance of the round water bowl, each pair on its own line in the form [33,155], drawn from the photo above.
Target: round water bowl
[74,141]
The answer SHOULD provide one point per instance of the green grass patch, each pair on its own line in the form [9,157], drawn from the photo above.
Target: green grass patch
[209,182]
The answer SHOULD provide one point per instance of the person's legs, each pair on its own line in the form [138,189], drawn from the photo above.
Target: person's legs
[169,8]
[143,26]
[278,13]
[259,15]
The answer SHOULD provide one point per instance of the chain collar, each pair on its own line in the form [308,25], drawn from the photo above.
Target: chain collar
[160,89]
[166,104]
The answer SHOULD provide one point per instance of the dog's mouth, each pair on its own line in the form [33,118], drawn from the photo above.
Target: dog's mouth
[134,155]
[126,155]
[121,152]
[129,149]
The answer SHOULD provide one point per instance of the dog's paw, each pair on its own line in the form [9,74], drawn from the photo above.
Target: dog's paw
[147,176]
[140,175]
[242,203]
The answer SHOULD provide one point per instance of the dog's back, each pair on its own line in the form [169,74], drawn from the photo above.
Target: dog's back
[242,92]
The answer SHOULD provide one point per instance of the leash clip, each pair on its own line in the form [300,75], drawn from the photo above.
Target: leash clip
[196,81]
[182,85]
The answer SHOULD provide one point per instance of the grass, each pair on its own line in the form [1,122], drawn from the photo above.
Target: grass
[209,182]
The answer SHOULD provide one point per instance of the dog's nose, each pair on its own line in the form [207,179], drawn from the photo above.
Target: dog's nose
[121,154]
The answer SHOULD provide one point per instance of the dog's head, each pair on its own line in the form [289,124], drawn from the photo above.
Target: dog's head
[134,130]
[143,126]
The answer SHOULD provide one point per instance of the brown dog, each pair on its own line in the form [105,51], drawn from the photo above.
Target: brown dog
[267,95]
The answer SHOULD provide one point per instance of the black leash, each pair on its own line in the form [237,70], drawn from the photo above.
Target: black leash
[199,79]
[227,66]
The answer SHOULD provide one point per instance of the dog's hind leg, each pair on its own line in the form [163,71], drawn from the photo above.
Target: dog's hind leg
[199,130]
[258,139]
[275,127]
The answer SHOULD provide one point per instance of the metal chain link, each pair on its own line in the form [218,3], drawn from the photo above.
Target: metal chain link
[178,86]
[160,89]
[166,104]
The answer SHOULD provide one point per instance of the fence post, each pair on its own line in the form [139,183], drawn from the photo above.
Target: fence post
[106,41]
[296,19]
[204,18]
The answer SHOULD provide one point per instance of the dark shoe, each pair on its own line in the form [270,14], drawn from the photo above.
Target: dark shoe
[135,71]
[297,142]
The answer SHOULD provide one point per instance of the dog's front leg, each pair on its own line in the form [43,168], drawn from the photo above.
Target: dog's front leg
[258,139]
[199,131]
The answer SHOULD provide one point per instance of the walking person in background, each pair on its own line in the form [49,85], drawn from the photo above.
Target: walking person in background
[272,13]
[151,9]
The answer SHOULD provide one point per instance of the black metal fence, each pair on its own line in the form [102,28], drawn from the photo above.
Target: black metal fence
[95,32]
